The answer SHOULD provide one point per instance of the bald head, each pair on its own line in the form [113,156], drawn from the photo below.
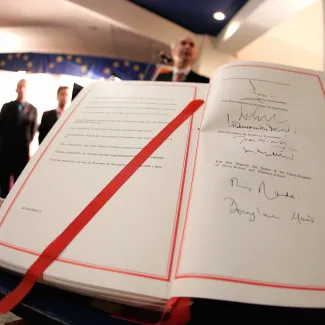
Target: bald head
[21,90]
[184,52]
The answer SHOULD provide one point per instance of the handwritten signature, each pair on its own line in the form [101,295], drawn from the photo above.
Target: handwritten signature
[261,189]
[235,209]
[234,181]
[255,116]
[254,90]
[261,100]
[283,145]
[267,127]
[268,154]
[296,216]
[253,214]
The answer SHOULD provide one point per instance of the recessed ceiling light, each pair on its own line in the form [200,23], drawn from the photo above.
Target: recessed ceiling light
[219,15]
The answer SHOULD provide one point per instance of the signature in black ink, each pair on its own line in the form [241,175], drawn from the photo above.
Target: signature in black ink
[261,100]
[307,219]
[234,209]
[267,215]
[262,189]
[270,154]
[234,181]
[254,91]
[257,117]
[267,127]
[283,145]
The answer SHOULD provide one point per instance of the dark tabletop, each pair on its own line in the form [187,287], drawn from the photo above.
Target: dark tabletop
[46,305]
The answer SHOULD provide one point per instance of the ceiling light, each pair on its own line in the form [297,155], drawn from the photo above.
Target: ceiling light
[231,30]
[219,15]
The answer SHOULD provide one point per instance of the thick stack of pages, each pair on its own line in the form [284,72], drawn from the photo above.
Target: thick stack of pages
[229,207]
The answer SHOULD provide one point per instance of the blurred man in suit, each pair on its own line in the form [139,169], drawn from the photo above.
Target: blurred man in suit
[18,124]
[49,118]
[183,53]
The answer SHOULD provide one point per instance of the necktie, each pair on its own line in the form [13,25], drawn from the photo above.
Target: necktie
[179,76]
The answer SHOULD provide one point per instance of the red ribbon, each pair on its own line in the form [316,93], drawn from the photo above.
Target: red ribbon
[56,247]
[180,314]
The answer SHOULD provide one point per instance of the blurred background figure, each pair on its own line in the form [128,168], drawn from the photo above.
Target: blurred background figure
[18,124]
[184,53]
[49,118]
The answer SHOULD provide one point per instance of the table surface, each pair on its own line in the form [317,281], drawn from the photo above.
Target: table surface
[47,305]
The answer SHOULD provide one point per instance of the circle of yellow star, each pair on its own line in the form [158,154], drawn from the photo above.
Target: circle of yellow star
[29,64]
[18,55]
[107,70]
[10,57]
[141,76]
[116,64]
[59,59]
[25,57]
[84,68]
[78,60]
[126,63]
[69,57]
[3,63]
[51,65]
[136,67]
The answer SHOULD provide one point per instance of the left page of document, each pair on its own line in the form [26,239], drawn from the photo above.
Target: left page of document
[129,244]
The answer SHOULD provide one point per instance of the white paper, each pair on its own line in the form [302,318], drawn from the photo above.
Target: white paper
[132,236]
[255,227]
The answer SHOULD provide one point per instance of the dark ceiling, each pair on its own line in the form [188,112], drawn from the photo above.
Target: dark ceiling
[194,15]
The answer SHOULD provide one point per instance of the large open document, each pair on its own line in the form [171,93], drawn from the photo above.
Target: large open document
[229,207]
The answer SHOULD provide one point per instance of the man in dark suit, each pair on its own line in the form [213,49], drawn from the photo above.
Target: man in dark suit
[183,53]
[49,118]
[18,124]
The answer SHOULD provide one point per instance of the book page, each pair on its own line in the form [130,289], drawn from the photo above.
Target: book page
[134,235]
[255,227]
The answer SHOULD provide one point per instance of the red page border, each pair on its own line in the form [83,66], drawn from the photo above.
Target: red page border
[227,278]
[165,278]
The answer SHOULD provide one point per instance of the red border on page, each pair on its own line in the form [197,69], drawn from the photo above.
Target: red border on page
[224,278]
[165,278]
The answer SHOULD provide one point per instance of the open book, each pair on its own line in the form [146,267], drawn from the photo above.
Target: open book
[229,207]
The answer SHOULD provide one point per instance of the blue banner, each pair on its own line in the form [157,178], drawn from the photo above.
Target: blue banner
[77,65]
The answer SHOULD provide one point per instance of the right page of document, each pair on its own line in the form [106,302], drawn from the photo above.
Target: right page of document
[255,227]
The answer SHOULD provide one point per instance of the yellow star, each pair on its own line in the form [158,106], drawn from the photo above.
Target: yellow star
[29,64]
[18,55]
[69,57]
[136,67]
[126,63]
[84,68]
[85,76]
[141,76]
[102,79]
[78,60]
[116,64]
[51,65]
[3,63]
[59,59]
[25,57]
[107,70]
[10,57]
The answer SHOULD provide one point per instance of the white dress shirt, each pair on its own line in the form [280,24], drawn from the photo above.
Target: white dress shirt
[184,73]
[59,112]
